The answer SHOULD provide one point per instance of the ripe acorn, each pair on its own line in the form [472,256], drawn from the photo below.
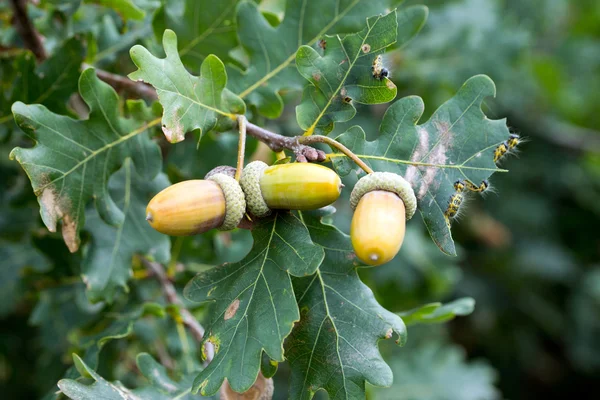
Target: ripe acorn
[296,186]
[196,206]
[382,203]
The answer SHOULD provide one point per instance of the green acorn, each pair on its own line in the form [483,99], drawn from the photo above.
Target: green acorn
[382,203]
[196,206]
[296,186]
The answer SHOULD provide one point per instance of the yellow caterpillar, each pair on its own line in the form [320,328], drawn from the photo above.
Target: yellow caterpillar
[507,146]
[483,186]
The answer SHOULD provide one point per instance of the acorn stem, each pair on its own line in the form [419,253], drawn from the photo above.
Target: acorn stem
[242,123]
[334,143]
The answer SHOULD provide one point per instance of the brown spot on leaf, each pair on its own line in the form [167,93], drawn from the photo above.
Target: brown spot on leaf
[232,309]
[54,209]
[262,389]
[366,48]
[50,208]
[174,135]
[69,233]
[389,84]
[316,77]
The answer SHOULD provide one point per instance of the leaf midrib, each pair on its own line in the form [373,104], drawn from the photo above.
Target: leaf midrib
[207,31]
[337,334]
[421,164]
[100,150]
[245,314]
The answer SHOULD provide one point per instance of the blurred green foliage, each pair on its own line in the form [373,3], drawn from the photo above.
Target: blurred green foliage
[529,254]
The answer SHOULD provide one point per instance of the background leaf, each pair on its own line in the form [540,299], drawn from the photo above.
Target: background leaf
[51,83]
[202,27]
[190,102]
[161,387]
[457,142]
[125,8]
[334,346]
[16,257]
[73,160]
[254,306]
[438,371]
[108,257]
[438,312]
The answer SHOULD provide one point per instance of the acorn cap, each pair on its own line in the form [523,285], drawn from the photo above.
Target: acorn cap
[387,181]
[250,183]
[235,202]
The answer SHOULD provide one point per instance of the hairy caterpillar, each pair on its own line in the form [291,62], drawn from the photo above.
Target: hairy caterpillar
[379,71]
[483,186]
[509,145]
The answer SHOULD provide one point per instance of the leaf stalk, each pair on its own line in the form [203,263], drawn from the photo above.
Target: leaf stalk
[242,122]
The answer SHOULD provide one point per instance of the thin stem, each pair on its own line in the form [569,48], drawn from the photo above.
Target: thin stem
[31,38]
[242,122]
[185,345]
[334,143]
[171,295]
[122,83]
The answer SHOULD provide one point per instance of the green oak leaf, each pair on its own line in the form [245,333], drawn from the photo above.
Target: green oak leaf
[16,257]
[127,9]
[202,27]
[107,262]
[272,50]
[161,386]
[190,102]
[334,346]
[457,142]
[254,306]
[68,7]
[343,75]
[114,326]
[438,371]
[438,312]
[59,311]
[72,160]
[51,83]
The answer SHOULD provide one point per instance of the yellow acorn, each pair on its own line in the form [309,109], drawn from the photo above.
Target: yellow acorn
[382,203]
[296,186]
[196,206]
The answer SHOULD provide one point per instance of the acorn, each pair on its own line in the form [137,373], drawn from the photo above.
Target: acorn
[296,186]
[196,206]
[382,203]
